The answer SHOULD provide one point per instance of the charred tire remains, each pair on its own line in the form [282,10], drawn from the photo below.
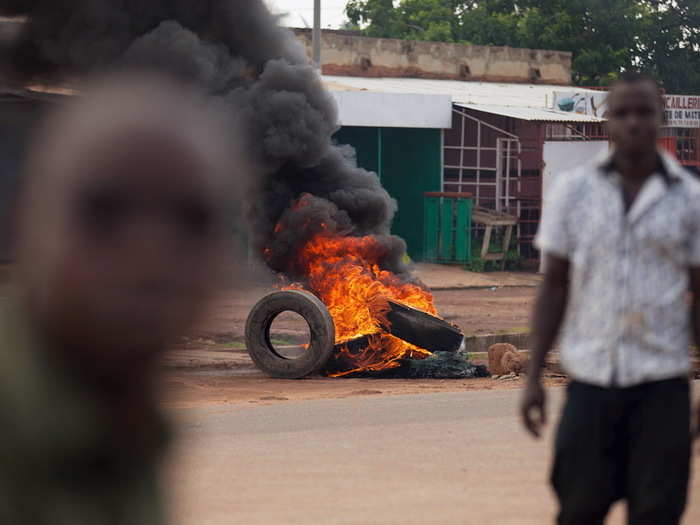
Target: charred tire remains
[257,334]
[423,330]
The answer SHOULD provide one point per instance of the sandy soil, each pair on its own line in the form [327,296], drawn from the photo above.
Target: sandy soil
[442,276]
[207,388]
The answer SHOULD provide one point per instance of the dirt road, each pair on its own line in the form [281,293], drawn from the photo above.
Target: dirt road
[406,459]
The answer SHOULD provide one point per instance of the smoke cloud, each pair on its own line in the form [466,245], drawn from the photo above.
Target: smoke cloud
[261,77]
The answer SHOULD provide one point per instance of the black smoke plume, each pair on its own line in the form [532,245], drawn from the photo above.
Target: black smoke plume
[256,70]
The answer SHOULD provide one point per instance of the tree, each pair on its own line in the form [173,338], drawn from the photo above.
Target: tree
[410,19]
[379,17]
[599,33]
[670,44]
[605,36]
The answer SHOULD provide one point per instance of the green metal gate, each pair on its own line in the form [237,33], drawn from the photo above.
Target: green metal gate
[448,222]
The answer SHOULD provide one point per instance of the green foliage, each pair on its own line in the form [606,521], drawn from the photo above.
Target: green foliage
[482,27]
[478,264]
[513,260]
[349,26]
[671,44]
[606,37]
[379,17]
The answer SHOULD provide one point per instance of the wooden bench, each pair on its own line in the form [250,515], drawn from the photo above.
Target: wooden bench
[490,219]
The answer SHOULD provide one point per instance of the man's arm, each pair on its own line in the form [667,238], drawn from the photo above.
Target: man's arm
[695,321]
[546,321]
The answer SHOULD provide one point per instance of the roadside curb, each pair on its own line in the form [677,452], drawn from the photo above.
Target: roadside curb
[481,343]
[480,287]
[195,366]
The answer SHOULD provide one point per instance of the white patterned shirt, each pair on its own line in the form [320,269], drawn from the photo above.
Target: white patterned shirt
[628,314]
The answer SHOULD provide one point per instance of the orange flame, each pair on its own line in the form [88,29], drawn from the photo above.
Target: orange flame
[344,273]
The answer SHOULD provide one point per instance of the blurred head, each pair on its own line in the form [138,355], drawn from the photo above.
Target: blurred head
[635,113]
[122,219]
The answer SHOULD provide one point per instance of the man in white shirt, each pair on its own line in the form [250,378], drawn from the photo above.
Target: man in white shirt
[621,241]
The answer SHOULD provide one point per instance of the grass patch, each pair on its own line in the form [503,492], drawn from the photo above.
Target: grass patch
[516,330]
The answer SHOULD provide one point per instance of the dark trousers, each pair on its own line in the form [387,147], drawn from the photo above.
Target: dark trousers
[623,443]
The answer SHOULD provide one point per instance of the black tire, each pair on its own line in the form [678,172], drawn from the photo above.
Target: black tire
[421,329]
[257,334]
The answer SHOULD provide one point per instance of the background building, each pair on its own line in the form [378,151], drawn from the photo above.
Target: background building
[501,144]
[494,123]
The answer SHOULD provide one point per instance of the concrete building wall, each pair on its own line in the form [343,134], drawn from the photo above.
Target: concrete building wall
[344,53]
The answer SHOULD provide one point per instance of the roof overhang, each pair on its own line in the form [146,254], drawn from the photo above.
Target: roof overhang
[533,113]
[393,110]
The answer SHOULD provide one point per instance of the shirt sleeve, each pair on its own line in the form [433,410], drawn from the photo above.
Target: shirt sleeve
[694,233]
[554,235]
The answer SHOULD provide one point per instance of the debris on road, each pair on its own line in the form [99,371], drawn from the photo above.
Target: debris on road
[504,360]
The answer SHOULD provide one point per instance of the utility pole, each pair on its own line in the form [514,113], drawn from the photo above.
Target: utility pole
[316,34]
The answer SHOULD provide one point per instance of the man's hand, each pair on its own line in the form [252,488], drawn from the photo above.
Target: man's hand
[695,322]
[550,307]
[533,408]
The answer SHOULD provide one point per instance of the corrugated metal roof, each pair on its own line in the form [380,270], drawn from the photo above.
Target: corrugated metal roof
[524,101]
[539,114]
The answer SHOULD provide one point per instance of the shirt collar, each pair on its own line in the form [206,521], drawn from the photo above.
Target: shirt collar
[667,168]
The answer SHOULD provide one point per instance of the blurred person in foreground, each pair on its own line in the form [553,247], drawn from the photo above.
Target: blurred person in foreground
[621,238]
[120,232]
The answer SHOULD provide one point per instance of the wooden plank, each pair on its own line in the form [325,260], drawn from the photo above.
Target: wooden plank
[488,222]
[463,231]
[492,218]
[448,194]
[487,241]
[431,210]
[489,211]
[446,230]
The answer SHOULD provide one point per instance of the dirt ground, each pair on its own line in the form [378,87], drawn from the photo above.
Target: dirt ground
[222,388]
[475,311]
[219,338]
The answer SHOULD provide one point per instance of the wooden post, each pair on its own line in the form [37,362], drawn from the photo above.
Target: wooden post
[506,245]
[487,241]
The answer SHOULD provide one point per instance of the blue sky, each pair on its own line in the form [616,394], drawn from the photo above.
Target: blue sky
[300,11]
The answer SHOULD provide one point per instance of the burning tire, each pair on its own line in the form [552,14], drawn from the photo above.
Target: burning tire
[257,334]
